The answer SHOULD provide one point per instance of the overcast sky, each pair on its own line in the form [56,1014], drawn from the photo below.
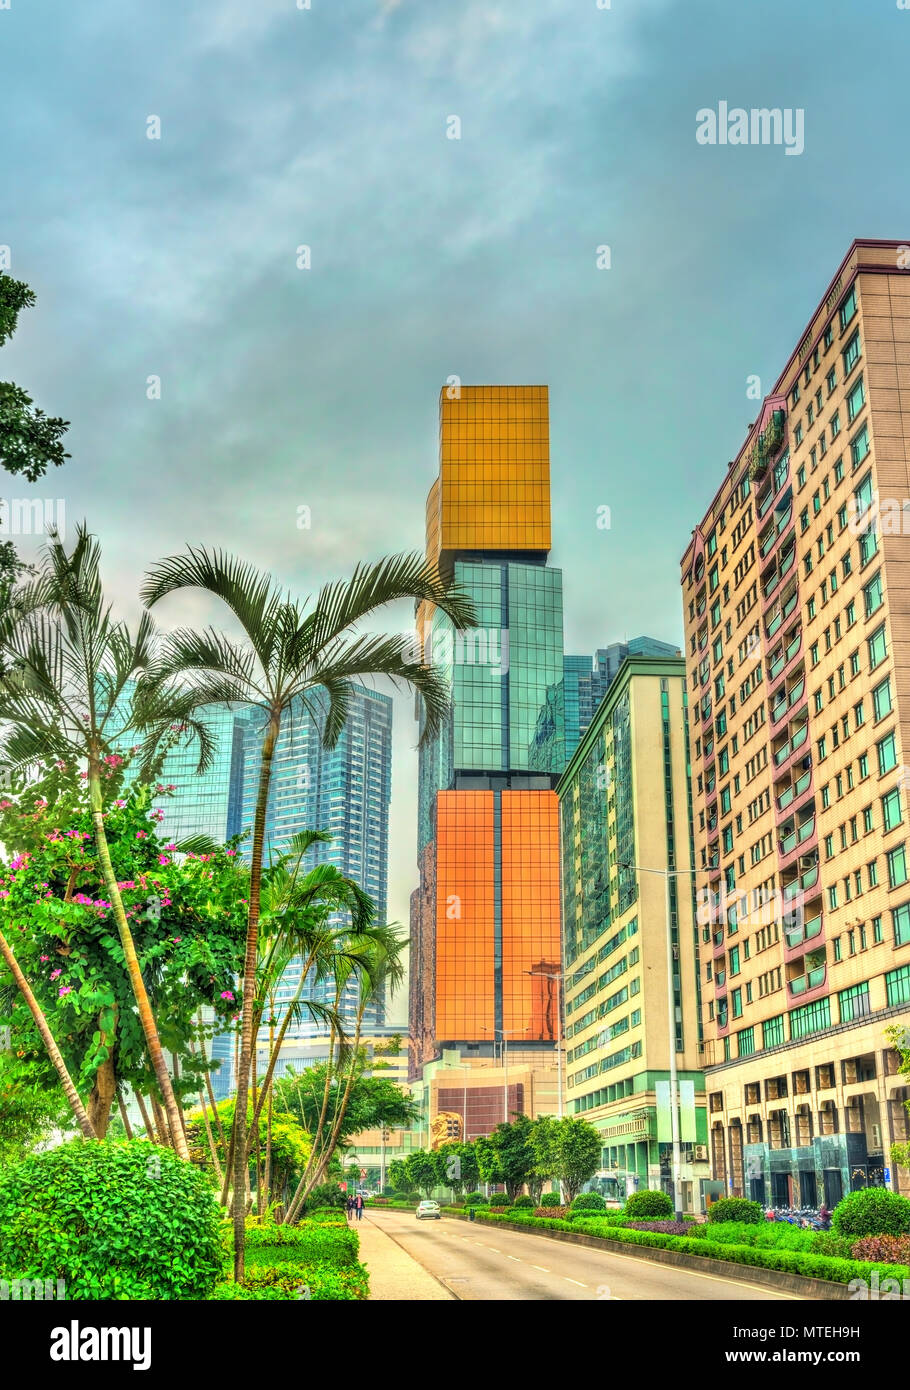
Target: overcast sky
[280,127]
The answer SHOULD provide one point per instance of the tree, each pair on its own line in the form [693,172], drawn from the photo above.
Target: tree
[422,1172]
[398,1175]
[30,441]
[567,1150]
[515,1153]
[65,702]
[289,657]
[900,1041]
[186,919]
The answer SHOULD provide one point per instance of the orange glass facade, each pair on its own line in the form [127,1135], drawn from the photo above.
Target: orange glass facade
[493,490]
[530,912]
[465,1001]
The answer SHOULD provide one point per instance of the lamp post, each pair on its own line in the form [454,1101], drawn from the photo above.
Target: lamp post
[555,975]
[666,875]
[504,1054]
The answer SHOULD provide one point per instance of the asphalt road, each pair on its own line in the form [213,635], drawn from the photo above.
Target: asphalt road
[480,1262]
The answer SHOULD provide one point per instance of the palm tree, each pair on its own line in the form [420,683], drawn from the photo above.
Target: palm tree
[66,698]
[381,964]
[292,657]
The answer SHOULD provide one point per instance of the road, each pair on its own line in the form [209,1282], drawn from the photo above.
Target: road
[479,1262]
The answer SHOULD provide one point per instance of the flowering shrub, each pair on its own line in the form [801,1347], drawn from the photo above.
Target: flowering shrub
[187,920]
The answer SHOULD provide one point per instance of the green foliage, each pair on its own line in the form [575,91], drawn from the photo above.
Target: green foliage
[29,1111]
[551,1199]
[524,1201]
[372,1101]
[475,1199]
[30,441]
[327,1194]
[567,1150]
[187,920]
[737,1209]
[771,1235]
[872,1212]
[309,1241]
[318,1280]
[422,1171]
[589,1201]
[112,1220]
[290,1144]
[650,1204]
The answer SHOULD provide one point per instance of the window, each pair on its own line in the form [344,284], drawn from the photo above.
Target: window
[832,896]
[794,395]
[859,715]
[839,466]
[847,309]
[737,997]
[873,597]
[746,1042]
[773,1030]
[886,749]
[798,439]
[856,400]
[877,647]
[891,809]
[853,1003]
[831,379]
[897,985]
[811,1018]
[859,446]
[851,353]
[829,336]
[897,866]
[881,699]
[734,961]
[900,921]
[800,474]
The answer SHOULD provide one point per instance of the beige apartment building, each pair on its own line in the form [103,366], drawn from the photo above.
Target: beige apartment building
[625,824]
[796,593]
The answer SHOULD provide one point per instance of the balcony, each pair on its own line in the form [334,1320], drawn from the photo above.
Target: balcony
[791,745]
[796,837]
[794,791]
[805,880]
[805,984]
[806,931]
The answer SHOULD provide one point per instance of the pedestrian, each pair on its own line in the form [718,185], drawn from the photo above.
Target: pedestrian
[358,1206]
[349,1204]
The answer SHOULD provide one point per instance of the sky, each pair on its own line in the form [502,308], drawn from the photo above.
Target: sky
[216,385]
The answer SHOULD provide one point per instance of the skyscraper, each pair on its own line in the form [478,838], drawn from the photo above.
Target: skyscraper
[797,611]
[485,918]
[346,791]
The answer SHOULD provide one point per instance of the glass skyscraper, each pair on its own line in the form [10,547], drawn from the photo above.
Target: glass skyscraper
[485,919]
[346,791]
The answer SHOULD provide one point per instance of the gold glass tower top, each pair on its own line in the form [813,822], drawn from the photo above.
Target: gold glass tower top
[493,489]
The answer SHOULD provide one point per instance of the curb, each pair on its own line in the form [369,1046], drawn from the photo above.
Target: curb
[814,1289]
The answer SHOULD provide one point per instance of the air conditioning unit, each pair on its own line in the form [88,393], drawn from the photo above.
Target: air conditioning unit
[701,1153]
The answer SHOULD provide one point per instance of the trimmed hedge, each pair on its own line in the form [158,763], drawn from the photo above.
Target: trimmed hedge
[306,1242]
[475,1199]
[874,1211]
[527,1203]
[650,1204]
[810,1266]
[738,1209]
[550,1199]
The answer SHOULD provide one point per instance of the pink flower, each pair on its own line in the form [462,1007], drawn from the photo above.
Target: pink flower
[64,989]
[55,974]
[61,765]
[141,834]
[113,760]
[163,859]
[176,940]
[120,805]
[44,958]
[226,994]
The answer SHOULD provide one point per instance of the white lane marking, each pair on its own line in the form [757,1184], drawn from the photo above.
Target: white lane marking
[543,1269]
[574,1281]
[514,1257]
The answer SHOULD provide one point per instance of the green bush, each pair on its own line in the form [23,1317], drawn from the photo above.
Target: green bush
[321,1280]
[310,1241]
[524,1202]
[113,1220]
[327,1216]
[328,1194]
[649,1204]
[872,1212]
[551,1199]
[737,1209]
[589,1201]
[767,1235]
[827,1243]
[475,1199]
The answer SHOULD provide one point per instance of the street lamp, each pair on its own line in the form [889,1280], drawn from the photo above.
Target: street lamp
[504,1054]
[555,975]
[666,875]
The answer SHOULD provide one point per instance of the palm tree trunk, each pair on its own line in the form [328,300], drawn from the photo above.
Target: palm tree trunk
[164,1137]
[208,1085]
[249,993]
[47,1038]
[145,1117]
[275,1044]
[124,1116]
[105,1085]
[146,1017]
[216,1163]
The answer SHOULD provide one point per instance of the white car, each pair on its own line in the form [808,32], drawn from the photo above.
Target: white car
[429,1210]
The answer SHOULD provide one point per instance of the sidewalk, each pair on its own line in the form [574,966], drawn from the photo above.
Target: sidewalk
[394,1275]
